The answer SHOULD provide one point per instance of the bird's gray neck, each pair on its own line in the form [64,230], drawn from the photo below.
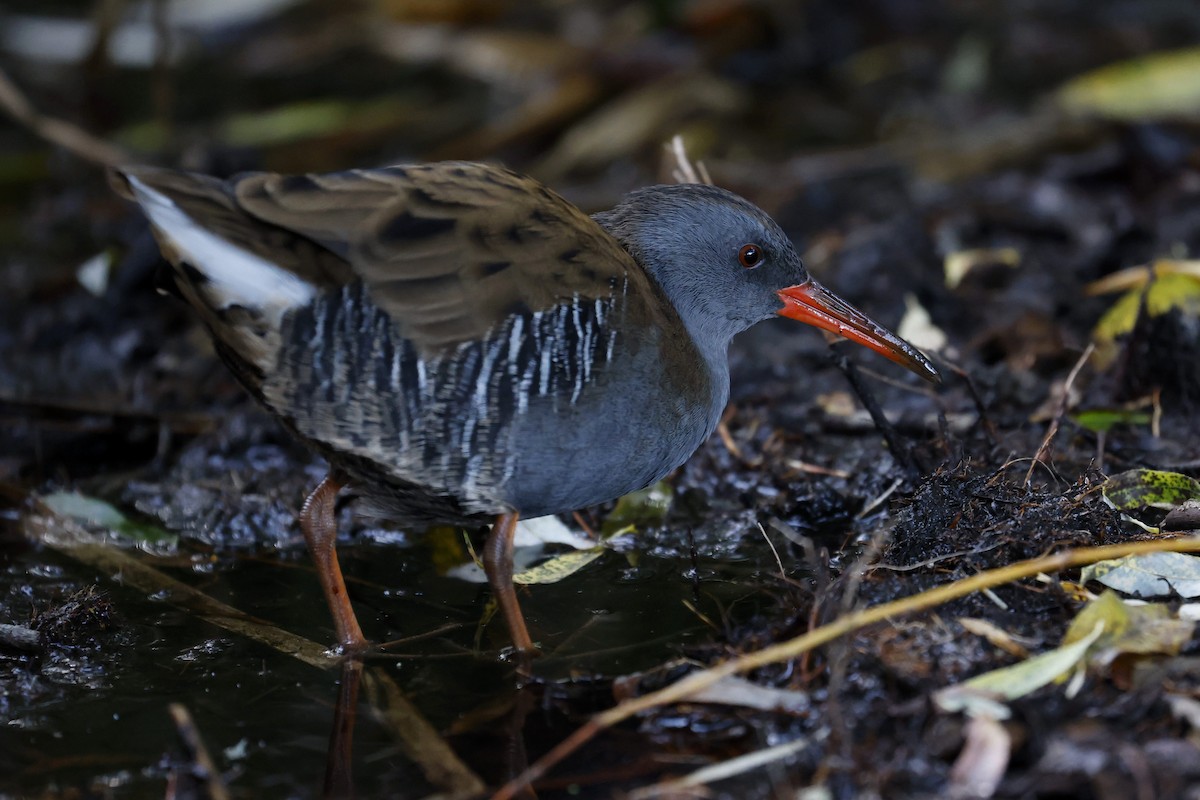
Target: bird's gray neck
[663,253]
[709,330]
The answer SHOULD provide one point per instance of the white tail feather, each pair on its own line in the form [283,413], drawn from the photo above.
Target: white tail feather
[237,276]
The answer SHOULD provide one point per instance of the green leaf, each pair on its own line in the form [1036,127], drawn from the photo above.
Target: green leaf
[1104,419]
[1141,488]
[95,512]
[289,123]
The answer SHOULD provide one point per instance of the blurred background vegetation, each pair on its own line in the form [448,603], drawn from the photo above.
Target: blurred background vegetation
[585,92]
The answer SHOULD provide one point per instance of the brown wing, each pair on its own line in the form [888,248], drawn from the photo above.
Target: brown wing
[447,249]
[211,205]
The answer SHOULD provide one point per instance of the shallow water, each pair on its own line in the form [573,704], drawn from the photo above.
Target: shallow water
[98,720]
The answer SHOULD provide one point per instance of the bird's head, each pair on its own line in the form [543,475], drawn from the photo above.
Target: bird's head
[726,265]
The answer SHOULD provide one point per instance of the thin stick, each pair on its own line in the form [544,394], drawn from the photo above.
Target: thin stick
[878,501]
[58,132]
[784,651]
[722,770]
[1063,403]
[774,552]
[848,368]
[684,171]
[190,734]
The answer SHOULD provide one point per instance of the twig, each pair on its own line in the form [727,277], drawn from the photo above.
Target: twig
[684,171]
[774,552]
[903,458]
[722,770]
[58,132]
[878,501]
[989,427]
[728,440]
[21,637]
[190,734]
[423,745]
[815,469]
[850,623]
[104,18]
[162,89]
[919,389]
[929,562]
[1063,403]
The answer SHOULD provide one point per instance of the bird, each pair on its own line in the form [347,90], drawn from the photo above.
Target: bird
[463,345]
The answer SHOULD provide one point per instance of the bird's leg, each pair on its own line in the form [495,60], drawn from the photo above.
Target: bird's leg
[319,524]
[498,564]
[339,761]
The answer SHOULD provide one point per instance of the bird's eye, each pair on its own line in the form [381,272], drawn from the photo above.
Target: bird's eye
[750,256]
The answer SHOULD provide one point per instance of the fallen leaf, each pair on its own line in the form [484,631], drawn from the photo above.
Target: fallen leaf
[647,506]
[1137,277]
[737,691]
[1130,628]
[1149,488]
[94,512]
[1107,610]
[1155,86]
[996,635]
[1184,517]
[1149,575]
[981,764]
[916,326]
[984,693]
[93,273]
[640,118]
[1105,419]
[1185,708]
[559,567]
[1167,293]
[956,265]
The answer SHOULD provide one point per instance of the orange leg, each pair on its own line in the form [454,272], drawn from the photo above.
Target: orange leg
[498,564]
[339,774]
[319,524]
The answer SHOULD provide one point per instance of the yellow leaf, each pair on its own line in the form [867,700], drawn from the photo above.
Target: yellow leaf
[559,567]
[1148,628]
[1159,85]
[1107,609]
[1173,291]
[446,548]
[957,264]
[981,693]
[1136,277]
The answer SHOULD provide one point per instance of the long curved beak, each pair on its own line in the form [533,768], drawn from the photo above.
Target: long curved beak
[813,304]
